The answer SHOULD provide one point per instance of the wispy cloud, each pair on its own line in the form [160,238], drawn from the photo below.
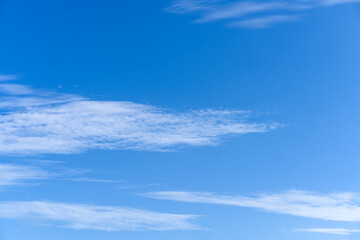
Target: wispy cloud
[93,180]
[187,6]
[240,13]
[238,9]
[49,122]
[11,174]
[334,2]
[16,89]
[14,174]
[336,231]
[95,217]
[262,22]
[334,207]
[18,174]
[9,77]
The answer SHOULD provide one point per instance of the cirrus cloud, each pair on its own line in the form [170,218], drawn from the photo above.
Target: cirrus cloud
[247,14]
[48,122]
[332,207]
[336,231]
[11,174]
[105,218]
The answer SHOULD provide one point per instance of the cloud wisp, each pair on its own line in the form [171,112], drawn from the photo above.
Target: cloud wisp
[332,207]
[248,14]
[263,22]
[17,174]
[24,175]
[93,217]
[16,89]
[336,231]
[8,77]
[43,122]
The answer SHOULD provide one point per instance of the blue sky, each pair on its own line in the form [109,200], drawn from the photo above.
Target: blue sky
[186,119]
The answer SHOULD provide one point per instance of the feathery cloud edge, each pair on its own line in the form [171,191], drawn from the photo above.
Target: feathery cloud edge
[331,207]
[249,14]
[39,122]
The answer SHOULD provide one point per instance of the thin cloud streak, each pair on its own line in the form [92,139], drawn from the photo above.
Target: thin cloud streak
[93,180]
[9,77]
[93,217]
[336,231]
[333,207]
[335,2]
[16,89]
[188,6]
[11,174]
[263,22]
[241,11]
[59,123]
[16,174]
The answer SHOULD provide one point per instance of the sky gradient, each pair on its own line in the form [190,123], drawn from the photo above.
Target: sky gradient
[185,119]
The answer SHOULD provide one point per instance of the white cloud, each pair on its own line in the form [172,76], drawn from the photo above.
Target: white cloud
[336,231]
[8,77]
[239,12]
[59,123]
[335,2]
[240,9]
[93,180]
[186,6]
[17,174]
[16,89]
[263,22]
[95,217]
[11,174]
[334,207]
